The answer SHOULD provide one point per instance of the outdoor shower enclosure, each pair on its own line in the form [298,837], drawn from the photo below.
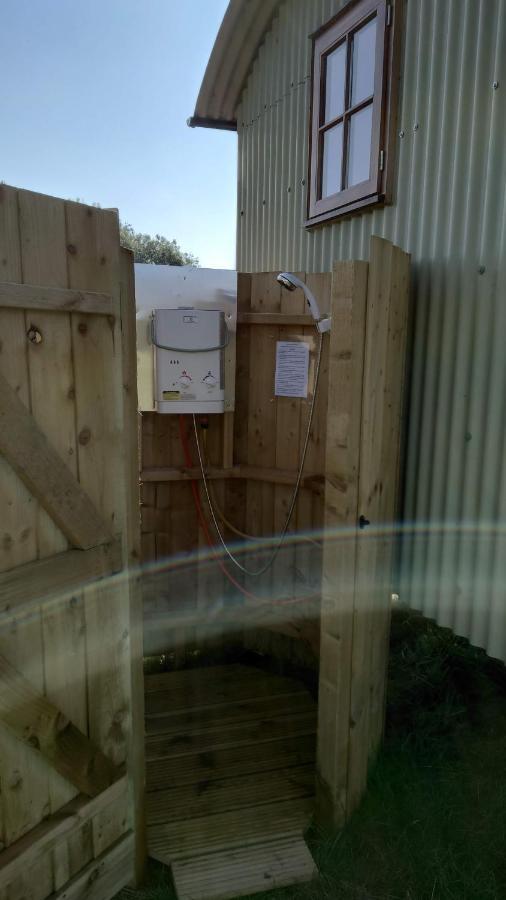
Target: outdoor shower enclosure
[339,624]
[71,687]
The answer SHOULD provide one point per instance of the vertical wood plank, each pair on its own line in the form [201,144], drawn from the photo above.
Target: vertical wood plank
[212,583]
[265,297]
[135,811]
[24,799]
[310,505]
[346,362]
[93,258]
[44,261]
[385,361]
[18,542]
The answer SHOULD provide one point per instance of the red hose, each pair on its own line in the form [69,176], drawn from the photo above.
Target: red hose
[205,528]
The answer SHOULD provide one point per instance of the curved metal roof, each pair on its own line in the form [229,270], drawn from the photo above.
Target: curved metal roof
[241,32]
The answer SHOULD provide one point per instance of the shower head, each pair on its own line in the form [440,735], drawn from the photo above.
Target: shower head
[291,282]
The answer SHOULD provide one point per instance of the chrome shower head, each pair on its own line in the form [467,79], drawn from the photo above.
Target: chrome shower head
[291,282]
[288,281]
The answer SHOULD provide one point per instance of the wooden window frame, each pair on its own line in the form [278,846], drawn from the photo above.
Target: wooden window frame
[340,29]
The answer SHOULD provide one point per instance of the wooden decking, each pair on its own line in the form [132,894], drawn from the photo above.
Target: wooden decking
[230,779]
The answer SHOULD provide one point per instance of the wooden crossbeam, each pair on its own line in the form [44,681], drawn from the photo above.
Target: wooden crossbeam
[56,577]
[35,721]
[250,473]
[41,469]
[53,299]
[21,855]
[103,876]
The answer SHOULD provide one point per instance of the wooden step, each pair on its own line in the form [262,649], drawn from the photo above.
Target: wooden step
[190,720]
[239,734]
[229,762]
[206,798]
[248,870]
[223,831]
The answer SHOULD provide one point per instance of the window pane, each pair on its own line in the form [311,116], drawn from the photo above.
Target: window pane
[359,158]
[332,160]
[364,56]
[334,83]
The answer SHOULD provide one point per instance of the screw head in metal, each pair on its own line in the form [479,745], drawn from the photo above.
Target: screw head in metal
[495,85]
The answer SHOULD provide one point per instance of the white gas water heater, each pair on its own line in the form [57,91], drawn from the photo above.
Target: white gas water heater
[186,323]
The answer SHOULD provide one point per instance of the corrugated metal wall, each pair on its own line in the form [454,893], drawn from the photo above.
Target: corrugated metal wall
[449,212]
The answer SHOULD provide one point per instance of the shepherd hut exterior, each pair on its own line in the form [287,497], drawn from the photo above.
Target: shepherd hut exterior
[434,117]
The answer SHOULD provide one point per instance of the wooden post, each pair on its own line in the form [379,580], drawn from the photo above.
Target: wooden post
[346,363]
[384,379]
[366,380]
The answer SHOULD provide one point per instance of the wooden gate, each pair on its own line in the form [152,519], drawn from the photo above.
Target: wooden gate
[71,735]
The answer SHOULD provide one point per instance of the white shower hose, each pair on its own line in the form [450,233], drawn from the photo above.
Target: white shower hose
[268,564]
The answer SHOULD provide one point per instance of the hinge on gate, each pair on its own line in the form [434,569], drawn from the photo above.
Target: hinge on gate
[389,14]
[382,160]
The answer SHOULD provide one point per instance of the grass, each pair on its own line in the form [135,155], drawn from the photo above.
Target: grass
[432,825]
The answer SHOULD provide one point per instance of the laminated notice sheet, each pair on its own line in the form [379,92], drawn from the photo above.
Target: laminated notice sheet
[292,367]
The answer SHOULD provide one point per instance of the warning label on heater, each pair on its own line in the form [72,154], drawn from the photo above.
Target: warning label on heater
[292,368]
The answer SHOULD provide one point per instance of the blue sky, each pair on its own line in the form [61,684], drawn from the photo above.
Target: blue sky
[94,101]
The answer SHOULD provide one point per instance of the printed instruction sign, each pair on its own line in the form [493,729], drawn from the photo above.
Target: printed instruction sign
[292,368]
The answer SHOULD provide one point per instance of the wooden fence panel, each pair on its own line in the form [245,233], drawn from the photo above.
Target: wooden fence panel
[66,640]
[255,464]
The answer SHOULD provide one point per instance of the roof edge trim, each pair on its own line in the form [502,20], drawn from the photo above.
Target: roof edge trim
[208,122]
[240,35]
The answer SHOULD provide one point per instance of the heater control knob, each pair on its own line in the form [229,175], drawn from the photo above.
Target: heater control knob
[185,379]
[210,380]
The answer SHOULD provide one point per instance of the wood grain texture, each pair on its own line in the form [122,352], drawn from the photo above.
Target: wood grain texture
[104,877]
[55,578]
[135,746]
[34,720]
[258,481]
[384,380]
[57,827]
[39,466]
[242,872]
[54,299]
[287,318]
[43,258]
[61,263]
[25,795]
[232,798]
[222,831]
[365,401]
[346,363]
[94,264]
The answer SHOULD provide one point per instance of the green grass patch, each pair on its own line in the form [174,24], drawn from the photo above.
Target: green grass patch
[432,825]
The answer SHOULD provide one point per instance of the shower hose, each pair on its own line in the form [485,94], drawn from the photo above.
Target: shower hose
[256,573]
